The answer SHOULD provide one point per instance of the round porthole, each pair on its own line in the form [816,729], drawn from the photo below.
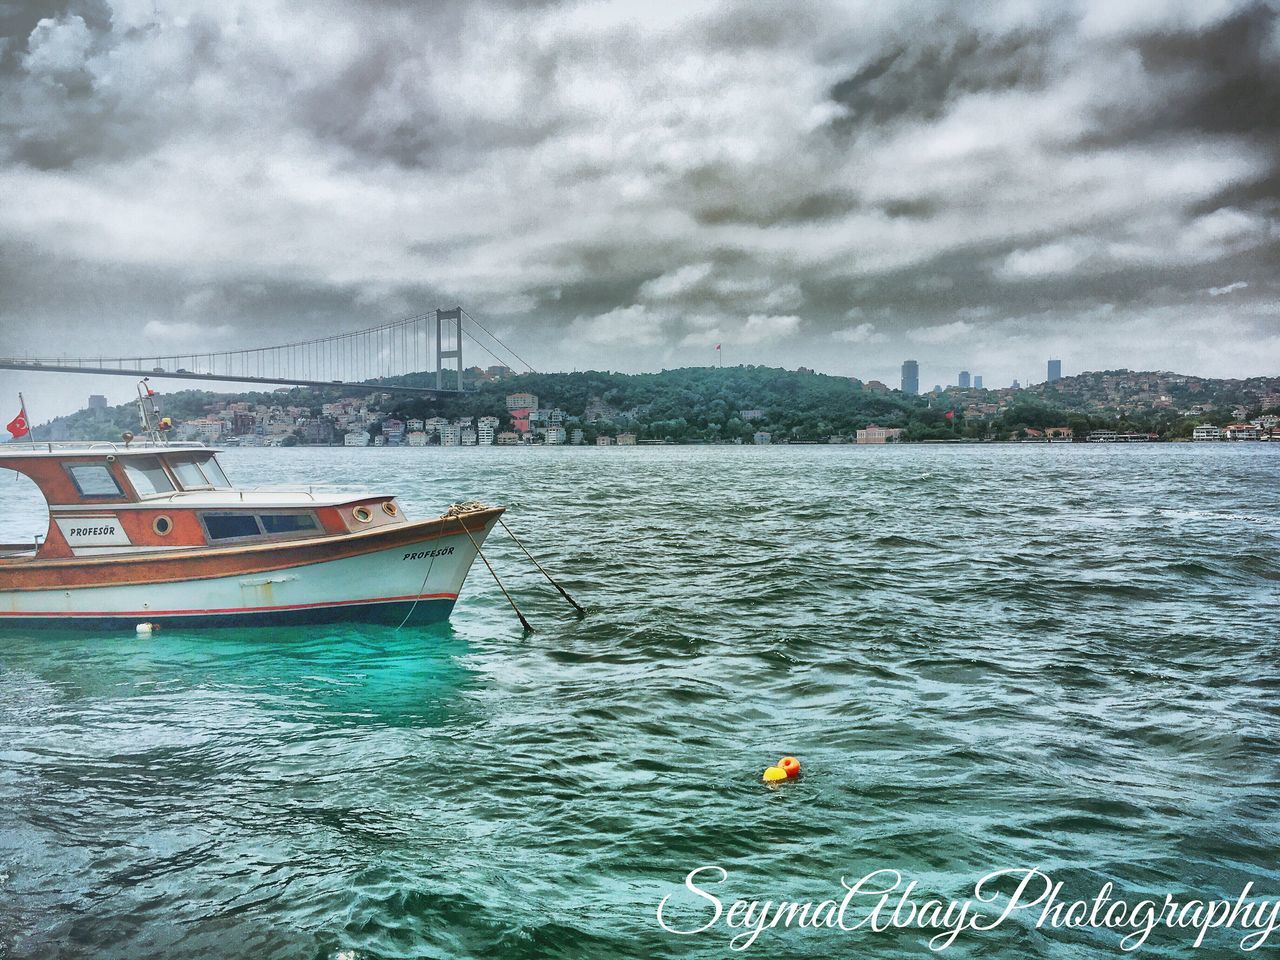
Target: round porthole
[390,509]
[163,526]
[362,514]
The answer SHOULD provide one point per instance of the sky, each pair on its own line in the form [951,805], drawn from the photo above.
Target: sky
[622,185]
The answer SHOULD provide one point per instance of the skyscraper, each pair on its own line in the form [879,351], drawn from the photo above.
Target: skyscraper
[1055,370]
[910,377]
[964,379]
[977,382]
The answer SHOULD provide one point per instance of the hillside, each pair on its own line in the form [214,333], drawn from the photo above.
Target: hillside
[704,404]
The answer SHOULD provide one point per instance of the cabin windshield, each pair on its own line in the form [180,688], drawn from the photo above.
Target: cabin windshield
[202,474]
[147,476]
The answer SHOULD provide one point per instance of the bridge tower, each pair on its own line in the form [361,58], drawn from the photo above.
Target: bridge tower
[454,319]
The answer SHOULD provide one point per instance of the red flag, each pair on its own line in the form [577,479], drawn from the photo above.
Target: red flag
[951,414]
[717,346]
[18,426]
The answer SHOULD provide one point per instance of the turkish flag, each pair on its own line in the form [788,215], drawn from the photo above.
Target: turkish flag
[951,414]
[18,426]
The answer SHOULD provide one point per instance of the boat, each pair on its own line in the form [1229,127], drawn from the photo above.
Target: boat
[153,531]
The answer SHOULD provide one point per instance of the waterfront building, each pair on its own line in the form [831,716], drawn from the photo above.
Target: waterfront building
[507,439]
[762,438]
[910,377]
[964,380]
[487,430]
[206,429]
[626,439]
[450,435]
[1241,431]
[1059,434]
[521,401]
[555,434]
[1055,371]
[576,438]
[1206,431]
[875,434]
[468,436]
[604,441]
[417,439]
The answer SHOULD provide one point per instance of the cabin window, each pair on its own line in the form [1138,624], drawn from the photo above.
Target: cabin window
[147,476]
[189,474]
[94,480]
[213,470]
[287,522]
[229,526]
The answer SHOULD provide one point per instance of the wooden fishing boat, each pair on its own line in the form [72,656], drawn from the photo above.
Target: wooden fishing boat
[150,531]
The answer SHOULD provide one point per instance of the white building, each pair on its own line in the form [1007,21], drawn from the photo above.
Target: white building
[468,437]
[521,401]
[487,430]
[417,439]
[450,435]
[356,438]
[762,438]
[626,439]
[555,434]
[1206,432]
[603,441]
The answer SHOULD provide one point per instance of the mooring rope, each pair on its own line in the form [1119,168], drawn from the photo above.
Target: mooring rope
[457,511]
[563,592]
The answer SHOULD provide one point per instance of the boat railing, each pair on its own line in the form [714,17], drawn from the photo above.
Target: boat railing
[56,446]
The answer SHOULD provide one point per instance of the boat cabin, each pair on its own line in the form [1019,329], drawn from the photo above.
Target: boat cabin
[144,496]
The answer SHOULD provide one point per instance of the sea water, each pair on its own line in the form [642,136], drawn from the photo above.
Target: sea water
[1060,657]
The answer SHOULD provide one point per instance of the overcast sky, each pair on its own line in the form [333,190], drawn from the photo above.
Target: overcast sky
[623,185]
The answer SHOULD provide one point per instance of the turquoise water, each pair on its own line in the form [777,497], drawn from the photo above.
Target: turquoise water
[1057,656]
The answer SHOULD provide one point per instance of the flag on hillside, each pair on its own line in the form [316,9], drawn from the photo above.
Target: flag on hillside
[951,414]
[18,426]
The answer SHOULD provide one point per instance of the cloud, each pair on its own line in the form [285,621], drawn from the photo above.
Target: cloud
[184,332]
[1050,259]
[944,333]
[1229,288]
[862,333]
[634,324]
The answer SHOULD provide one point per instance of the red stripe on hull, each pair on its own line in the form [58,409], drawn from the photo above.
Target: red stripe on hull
[230,611]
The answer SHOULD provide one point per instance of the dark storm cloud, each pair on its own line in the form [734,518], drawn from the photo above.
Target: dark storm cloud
[621,185]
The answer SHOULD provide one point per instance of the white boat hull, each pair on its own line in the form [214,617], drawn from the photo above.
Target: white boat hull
[414,583]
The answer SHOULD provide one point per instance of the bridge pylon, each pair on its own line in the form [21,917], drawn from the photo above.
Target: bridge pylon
[454,319]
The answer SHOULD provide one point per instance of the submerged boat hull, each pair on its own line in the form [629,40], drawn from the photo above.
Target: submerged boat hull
[409,574]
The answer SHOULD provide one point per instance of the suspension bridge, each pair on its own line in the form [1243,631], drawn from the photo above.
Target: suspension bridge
[364,360]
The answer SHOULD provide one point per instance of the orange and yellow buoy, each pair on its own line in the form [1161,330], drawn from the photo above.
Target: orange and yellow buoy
[788,768]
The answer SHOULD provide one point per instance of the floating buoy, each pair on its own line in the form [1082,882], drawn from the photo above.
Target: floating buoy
[145,629]
[791,765]
[774,775]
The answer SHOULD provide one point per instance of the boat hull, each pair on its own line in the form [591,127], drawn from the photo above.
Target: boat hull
[395,578]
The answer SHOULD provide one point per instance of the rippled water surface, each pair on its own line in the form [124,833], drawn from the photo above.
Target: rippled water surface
[1055,656]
